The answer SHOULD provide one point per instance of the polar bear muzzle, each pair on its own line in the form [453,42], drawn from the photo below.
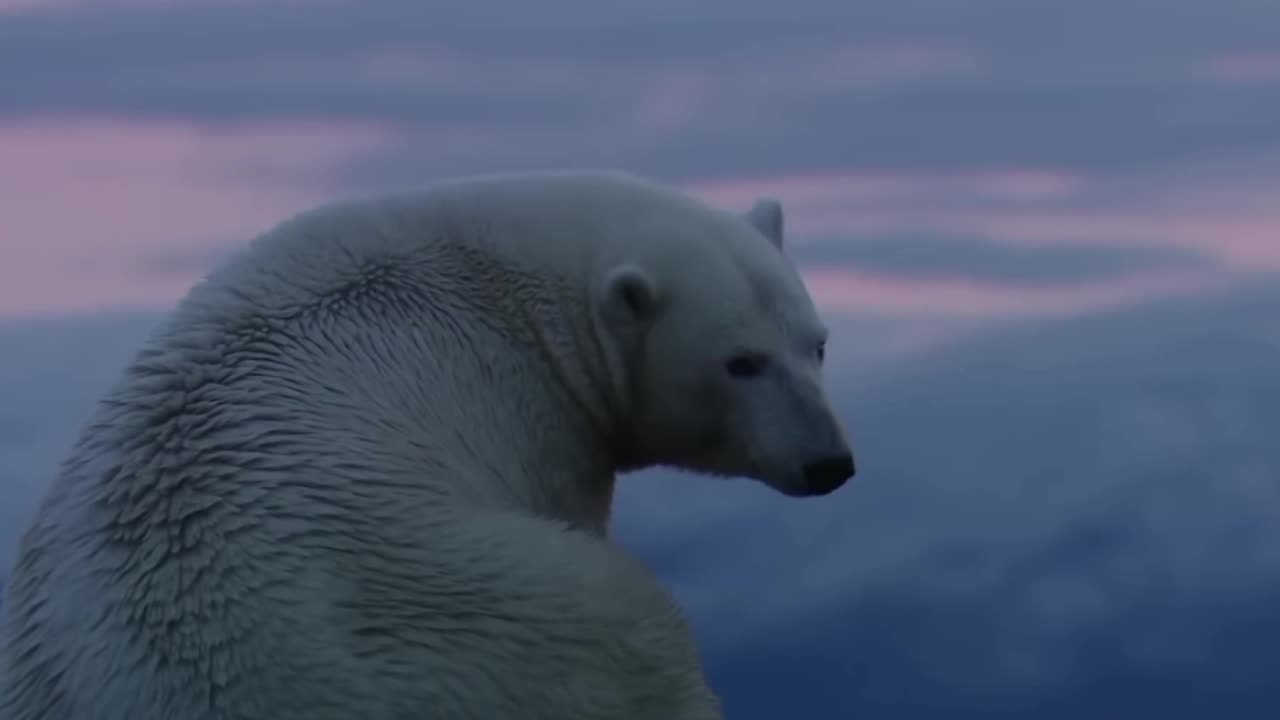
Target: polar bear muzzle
[825,476]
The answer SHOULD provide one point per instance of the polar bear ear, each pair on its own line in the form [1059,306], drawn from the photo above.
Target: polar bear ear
[629,296]
[766,216]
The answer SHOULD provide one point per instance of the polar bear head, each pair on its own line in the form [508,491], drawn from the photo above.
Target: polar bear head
[722,349]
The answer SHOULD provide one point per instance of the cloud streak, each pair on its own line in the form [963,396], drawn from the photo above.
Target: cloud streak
[918,85]
[83,201]
[910,118]
[980,260]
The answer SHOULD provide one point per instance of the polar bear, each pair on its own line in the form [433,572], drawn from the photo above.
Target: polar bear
[365,468]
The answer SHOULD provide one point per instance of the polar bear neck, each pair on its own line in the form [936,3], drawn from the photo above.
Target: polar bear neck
[548,384]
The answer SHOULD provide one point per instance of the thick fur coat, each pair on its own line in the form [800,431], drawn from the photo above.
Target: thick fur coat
[365,468]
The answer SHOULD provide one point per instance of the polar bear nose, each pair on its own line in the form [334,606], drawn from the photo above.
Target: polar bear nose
[828,474]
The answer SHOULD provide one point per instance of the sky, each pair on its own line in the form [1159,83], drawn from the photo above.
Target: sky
[1046,234]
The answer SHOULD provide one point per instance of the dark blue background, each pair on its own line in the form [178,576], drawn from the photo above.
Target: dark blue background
[1066,519]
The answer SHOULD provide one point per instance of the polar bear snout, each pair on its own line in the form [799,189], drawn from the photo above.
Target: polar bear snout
[828,474]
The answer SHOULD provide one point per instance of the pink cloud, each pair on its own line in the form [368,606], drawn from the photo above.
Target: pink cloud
[1246,242]
[670,102]
[857,68]
[823,191]
[852,291]
[657,99]
[660,96]
[81,201]
[1235,220]
[1245,68]
[84,201]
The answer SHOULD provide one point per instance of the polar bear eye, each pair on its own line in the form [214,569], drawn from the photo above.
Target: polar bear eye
[747,365]
[821,351]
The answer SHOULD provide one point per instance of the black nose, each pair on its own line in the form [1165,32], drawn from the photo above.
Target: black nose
[828,474]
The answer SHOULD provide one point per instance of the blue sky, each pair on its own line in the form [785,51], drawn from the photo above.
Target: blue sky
[1046,235]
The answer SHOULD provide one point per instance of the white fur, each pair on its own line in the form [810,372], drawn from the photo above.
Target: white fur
[365,470]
